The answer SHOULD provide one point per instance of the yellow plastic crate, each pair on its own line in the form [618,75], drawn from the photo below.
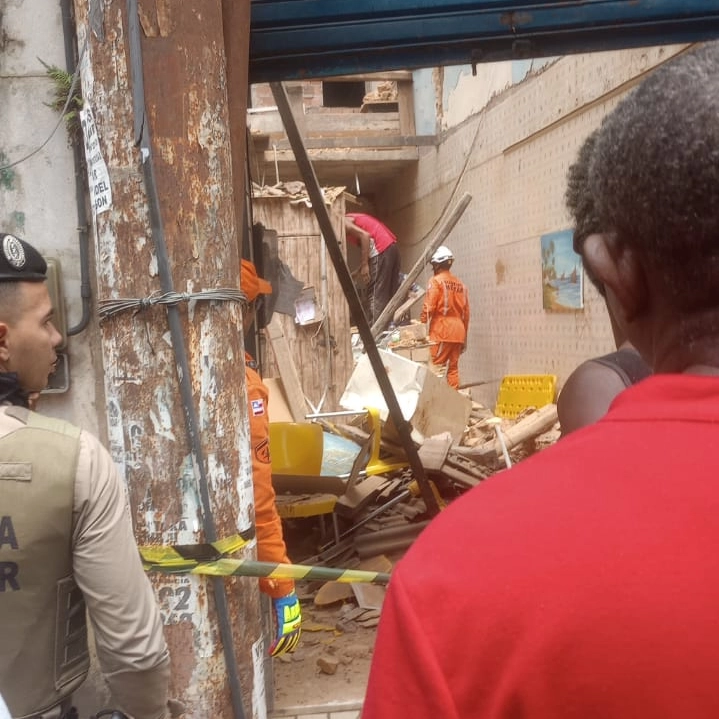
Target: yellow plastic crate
[519,391]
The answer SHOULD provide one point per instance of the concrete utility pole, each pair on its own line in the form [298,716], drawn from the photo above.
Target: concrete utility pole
[166,178]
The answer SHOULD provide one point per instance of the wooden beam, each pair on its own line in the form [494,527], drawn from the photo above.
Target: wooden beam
[288,371]
[372,76]
[352,141]
[343,154]
[405,98]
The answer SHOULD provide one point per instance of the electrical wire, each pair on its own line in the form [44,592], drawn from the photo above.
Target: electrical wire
[107,308]
[453,193]
[71,91]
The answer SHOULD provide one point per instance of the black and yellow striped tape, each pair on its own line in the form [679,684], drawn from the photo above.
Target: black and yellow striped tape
[184,557]
[212,559]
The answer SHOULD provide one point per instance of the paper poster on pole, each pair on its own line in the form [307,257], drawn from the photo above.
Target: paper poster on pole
[97,174]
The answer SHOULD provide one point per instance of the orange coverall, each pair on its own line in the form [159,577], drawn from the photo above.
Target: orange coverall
[446,308]
[270,542]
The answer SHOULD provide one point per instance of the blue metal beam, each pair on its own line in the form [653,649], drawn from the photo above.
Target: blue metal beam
[301,39]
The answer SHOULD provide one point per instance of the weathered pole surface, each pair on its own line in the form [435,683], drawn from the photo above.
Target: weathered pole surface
[150,427]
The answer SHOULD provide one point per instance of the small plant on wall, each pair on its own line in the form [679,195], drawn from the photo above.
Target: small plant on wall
[67,99]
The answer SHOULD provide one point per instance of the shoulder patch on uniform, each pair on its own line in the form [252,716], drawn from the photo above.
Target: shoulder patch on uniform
[258,407]
[262,451]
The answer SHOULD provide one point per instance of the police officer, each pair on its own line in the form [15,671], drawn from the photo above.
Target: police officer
[66,539]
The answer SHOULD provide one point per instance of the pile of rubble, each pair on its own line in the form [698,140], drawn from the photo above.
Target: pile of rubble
[383,514]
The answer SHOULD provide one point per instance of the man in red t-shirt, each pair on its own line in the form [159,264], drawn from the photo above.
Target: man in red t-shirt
[583,582]
[379,260]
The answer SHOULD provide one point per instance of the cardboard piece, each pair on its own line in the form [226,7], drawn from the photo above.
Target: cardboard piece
[418,353]
[426,401]
[277,408]
[414,332]
[284,358]
[434,450]
[368,596]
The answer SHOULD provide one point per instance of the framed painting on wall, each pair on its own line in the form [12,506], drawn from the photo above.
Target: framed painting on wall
[562,273]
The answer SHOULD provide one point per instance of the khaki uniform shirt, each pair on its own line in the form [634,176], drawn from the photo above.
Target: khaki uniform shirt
[121,605]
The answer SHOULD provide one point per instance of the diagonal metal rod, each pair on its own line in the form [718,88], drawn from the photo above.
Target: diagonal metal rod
[343,274]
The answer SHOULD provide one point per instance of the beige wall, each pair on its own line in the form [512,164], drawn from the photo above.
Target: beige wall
[517,151]
[37,193]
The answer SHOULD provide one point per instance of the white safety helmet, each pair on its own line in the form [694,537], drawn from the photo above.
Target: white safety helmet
[441,254]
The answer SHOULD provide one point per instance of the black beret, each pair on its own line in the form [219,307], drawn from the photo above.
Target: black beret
[20,261]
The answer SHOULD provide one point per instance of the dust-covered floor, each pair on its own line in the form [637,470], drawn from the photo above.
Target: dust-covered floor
[331,663]
[339,624]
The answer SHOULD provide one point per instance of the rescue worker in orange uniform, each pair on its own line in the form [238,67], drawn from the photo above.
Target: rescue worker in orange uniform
[268,525]
[446,308]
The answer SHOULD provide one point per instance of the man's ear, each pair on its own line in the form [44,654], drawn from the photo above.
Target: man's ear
[4,350]
[617,266]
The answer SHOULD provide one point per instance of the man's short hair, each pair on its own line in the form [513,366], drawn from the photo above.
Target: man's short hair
[578,196]
[654,175]
[580,201]
[11,304]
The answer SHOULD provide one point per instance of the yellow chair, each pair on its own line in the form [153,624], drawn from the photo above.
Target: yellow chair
[296,453]
[375,464]
[302,491]
[296,448]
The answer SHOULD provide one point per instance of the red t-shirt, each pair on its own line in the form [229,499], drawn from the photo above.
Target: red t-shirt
[583,583]
[382,236]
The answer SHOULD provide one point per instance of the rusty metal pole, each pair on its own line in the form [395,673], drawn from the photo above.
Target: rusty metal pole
[174,378]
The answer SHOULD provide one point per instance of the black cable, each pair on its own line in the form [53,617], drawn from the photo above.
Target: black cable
[70,36]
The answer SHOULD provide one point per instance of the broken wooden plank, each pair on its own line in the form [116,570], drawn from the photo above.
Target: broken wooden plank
[408,303]
[531,426]
[434,450]
[460,477]
[359,495]
[288,370]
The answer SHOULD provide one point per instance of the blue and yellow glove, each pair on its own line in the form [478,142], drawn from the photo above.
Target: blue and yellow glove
[288,618]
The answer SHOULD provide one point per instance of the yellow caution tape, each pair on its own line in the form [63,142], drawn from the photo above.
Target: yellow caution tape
[211,559]
[183,557]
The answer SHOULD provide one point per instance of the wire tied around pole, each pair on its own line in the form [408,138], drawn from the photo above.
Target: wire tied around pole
[107,308]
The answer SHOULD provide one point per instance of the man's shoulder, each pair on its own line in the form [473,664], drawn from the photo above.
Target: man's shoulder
[520,490]
[14,417]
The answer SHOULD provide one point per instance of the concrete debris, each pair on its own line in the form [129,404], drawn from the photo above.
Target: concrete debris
[295,192]
[375,523]
[373,622]
[386,91]
[327,664]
